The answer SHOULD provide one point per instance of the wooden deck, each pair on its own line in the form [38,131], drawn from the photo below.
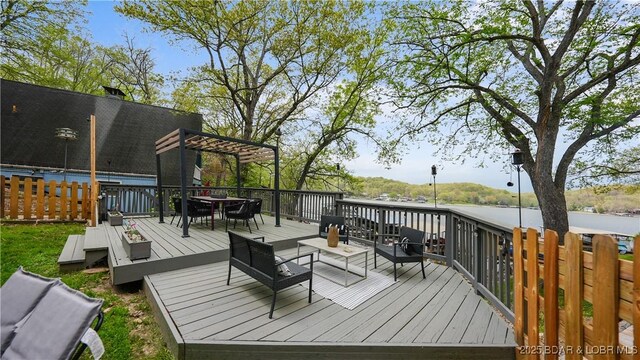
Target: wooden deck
[170,251]
[437,317]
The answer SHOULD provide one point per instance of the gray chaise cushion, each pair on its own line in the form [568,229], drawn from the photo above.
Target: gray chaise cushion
[56,325]
[20,295]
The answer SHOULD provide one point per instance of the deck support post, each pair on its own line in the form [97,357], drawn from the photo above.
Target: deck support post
[449,241]
[480,261]
[183,185]
[159,190]
[277,186]
[237,175]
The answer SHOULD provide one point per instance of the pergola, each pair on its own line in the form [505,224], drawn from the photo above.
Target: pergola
[244,151]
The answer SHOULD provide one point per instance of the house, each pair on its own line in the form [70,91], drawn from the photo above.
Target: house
[38,123]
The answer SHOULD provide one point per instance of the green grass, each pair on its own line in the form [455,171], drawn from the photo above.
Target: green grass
[129,330]
[627,257]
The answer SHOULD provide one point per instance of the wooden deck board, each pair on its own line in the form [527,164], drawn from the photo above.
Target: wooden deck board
[442,309]
[203,315]
[170,251]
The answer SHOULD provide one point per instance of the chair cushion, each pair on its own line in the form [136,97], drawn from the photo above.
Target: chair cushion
[19,296]
[386,249]
[56,325]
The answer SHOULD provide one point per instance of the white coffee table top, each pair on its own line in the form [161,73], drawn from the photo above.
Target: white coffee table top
[341,250]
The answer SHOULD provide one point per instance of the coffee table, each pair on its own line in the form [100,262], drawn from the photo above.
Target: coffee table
[342,250]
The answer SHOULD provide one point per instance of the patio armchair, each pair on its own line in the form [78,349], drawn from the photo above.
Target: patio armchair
[258,209]
[198,209]
[242,211]
[43,318]
[408,249]
[177,210]
[343,229]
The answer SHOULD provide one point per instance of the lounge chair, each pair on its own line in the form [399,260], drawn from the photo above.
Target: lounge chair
[43,318]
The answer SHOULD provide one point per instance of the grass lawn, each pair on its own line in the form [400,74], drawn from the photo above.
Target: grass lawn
[129,330]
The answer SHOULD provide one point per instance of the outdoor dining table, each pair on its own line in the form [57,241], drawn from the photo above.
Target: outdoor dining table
[221,201]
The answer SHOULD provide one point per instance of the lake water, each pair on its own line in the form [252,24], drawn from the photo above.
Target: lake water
[533,218]
[508,217]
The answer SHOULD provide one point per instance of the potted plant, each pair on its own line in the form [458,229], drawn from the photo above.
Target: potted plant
[114,216]
[134,244]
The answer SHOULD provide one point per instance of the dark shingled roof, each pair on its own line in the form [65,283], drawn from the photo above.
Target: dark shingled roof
[126,132]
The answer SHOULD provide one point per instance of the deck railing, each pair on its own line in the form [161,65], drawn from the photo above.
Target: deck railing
[478,249]
[35,199]
[143,200]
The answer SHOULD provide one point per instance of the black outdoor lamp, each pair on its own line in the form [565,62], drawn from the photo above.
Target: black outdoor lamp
[434,172]
[67,135]
[517,159]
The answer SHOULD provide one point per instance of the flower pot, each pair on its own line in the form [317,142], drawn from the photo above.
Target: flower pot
[136,249]
[115,218]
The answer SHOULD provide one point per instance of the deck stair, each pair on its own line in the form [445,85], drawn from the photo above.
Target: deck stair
[83,251]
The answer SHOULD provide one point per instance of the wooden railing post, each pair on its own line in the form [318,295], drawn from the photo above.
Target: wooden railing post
[15,191]
[52,199]
[480,261]
[636,296]
[551,322]
[3,183]
[573,334]
[532,288]
[63,200]
[28,193]
[40,199]
[606,294]
[74,200]
[518,273]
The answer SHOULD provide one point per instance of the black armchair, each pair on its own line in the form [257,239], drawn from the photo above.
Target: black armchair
[326,220]
[198,209]
[242,211]
[411,240]
[258,209]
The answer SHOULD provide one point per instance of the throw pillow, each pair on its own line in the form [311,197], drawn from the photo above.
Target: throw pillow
[282,268]
[404,245]
[342,230]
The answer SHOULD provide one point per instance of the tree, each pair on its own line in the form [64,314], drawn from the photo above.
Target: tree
[131,70]
[552,79]
[270,62]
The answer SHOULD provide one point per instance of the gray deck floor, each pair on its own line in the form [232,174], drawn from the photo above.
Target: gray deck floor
[440,317]
[170,251]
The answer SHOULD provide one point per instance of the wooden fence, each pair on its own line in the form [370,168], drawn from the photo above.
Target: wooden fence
[574,280]
[35,199]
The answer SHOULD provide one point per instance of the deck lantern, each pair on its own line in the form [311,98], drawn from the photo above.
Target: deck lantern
[517,159]
[67,135]
[434,172]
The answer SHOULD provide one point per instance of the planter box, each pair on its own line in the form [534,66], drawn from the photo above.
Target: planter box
[136,249]
[115,218]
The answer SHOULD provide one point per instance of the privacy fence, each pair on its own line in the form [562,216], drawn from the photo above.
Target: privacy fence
[35,199]
[558,286]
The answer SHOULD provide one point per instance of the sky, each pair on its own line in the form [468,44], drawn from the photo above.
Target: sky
[108,28]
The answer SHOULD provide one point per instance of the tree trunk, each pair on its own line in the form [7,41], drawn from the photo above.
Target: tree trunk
[553,204]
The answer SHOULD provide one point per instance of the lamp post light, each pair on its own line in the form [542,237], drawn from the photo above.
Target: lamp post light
[338,169]
[517,159]
[434,172]
[67,135]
